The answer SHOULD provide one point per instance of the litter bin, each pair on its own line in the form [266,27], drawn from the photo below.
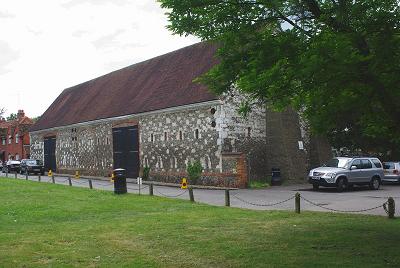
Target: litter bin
[276,178]
[120,181]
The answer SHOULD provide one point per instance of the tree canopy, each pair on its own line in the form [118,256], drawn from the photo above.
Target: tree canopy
[336,61]
[11,117]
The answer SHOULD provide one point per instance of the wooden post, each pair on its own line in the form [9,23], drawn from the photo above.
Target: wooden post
[15,174]
[7,173]
[297,203]
[52,179]
[90,184]
[151,189]
[26,175]
[391,208]
[39,178]
[227,198]
[191,196]
[69,181]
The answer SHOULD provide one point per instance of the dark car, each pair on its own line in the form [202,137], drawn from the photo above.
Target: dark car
[11,166]
[31,166]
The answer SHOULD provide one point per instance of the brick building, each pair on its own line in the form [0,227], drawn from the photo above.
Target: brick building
[153,114]
[14,137]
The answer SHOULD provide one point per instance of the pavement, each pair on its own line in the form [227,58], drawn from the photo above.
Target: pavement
[361,200]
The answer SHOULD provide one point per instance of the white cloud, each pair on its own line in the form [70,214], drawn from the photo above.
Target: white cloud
[49,45]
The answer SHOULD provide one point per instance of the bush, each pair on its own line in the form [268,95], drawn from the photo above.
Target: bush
[194,171]
[146,172]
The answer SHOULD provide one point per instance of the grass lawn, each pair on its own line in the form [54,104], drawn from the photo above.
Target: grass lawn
[53,225]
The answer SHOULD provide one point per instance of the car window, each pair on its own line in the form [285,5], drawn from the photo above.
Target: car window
[335,162]
[388,165]
[357,163]
[366,163]
[376,163]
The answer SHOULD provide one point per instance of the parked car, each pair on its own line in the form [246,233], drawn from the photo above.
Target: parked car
[392,171]
[344,172]
[31,166]
[11,166]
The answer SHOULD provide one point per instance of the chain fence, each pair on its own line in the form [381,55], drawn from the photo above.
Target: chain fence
[86,181]
[171,196]
[345,211]
[263,205]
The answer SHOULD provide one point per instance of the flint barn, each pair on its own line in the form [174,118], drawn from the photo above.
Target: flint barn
[153,114]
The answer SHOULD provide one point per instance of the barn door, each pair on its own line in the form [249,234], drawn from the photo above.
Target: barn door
[50,154]
[126,150]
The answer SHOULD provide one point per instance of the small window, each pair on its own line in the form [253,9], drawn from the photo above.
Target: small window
[108,141]
[17,138]
[165,136]
[180,135]
[196,134]
[9,139]
[213,124]
[4,141]
[152,138]
[377,163]
[248,131]
[212,111]
[98,141]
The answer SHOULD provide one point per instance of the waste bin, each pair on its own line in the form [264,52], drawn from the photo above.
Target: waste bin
[120,181]
[276,178]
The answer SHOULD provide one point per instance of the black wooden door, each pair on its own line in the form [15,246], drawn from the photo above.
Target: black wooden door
[50,154]
[126,150]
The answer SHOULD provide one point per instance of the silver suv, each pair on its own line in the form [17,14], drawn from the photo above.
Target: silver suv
[344,172]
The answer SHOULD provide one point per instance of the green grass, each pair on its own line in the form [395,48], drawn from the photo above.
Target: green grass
[258,185]
[53,225]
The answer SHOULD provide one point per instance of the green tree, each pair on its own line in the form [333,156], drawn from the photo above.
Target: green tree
[336,61]
[12,116]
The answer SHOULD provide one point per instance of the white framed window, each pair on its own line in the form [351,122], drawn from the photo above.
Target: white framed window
[3,141]
[9,139]
[17,157]
[16,138]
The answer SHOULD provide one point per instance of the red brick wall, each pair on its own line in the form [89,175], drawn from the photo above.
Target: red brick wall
[13,128]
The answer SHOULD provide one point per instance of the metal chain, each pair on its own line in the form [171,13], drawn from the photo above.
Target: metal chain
[338,210]
[101,184]
[171,195]
[137,189]
[262,205]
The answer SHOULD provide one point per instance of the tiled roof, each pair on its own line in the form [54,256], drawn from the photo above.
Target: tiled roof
[162,82]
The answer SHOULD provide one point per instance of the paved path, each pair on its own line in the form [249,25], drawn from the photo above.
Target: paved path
[358,199]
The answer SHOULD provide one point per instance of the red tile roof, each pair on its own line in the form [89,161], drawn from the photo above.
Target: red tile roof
[162,82]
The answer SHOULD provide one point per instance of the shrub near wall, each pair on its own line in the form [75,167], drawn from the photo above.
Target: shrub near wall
[194,171]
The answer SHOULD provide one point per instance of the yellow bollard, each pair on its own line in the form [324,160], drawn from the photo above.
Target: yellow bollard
[112,177]
[77,176]
[50,173]
[184,183]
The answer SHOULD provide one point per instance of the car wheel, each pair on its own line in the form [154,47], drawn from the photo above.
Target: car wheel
[315,187]
[341,185]
[374,184]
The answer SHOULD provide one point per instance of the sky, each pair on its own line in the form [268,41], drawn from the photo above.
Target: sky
[49,45]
